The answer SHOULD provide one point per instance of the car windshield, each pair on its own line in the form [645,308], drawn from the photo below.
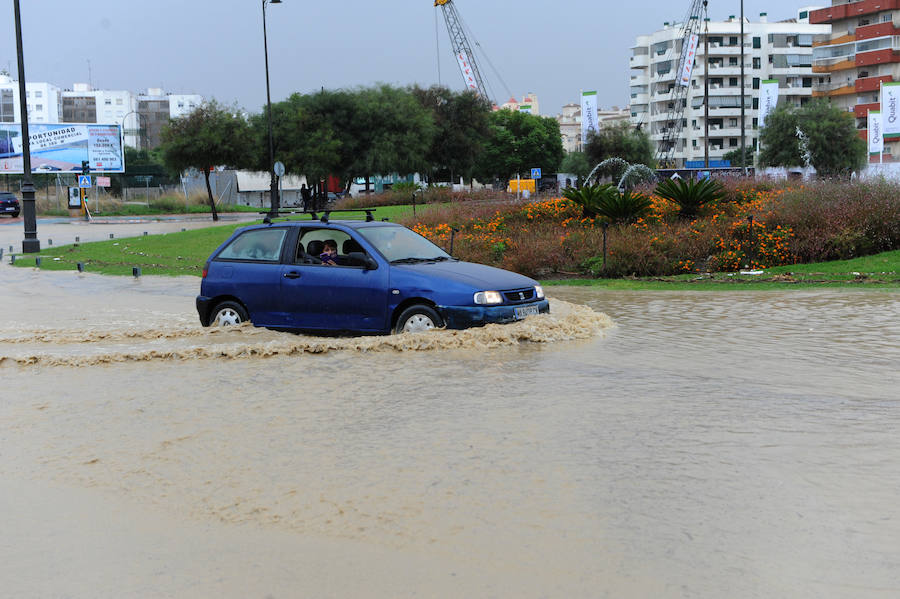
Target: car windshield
[399,244]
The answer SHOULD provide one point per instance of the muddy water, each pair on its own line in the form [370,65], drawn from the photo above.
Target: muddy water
[685,445]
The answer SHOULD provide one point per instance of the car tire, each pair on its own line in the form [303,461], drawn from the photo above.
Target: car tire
[15,215]
[417,319]
[227,314]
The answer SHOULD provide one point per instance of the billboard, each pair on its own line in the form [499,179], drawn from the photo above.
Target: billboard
[768,99]
[876,139]
[890,107]
[688,56]
[61,147]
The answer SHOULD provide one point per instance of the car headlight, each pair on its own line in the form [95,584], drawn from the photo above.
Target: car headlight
[539,292]
[488,297]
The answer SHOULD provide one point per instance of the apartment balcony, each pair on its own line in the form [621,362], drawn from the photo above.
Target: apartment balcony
[871,84]
[888,55]
[861,111]
[832,89]
[837,41]
[851,10]
[637,99]
[639,62]
[877,30]
[833,65]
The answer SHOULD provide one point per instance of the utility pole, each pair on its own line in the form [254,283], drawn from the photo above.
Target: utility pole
[743,108]
[31,244]
[705,89]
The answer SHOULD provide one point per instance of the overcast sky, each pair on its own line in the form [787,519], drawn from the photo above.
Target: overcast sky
[215,47]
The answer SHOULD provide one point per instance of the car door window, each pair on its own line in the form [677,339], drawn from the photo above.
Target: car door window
[312,242]
[258,245]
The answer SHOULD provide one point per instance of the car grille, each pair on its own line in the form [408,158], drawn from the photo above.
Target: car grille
[518,296]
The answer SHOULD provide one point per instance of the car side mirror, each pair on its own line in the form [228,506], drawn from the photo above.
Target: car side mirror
[361,259]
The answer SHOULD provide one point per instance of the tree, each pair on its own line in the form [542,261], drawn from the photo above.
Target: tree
[461,126]
[734,157]
[829,139]
[518,142]
[576,163]
[620,140]
[210,136]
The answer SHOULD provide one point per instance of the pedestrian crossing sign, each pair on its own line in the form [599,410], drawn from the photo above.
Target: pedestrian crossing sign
[84,181]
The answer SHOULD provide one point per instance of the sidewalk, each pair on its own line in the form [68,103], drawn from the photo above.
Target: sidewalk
[55,231]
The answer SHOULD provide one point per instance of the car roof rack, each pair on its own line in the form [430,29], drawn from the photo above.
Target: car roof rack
[314,214]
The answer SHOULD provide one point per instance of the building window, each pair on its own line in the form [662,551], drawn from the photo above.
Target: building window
[757,62]
[38,94]
[108,101]
[732,122]
[755,123]
[733,142]
[807,82]
[732,41]
[757,42]
[694,143]
[733,81]
[732,61]
[118,101]
[755,103]
[804,14]
[39,107]
[885,17]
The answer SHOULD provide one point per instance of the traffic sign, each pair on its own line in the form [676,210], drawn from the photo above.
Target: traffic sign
[279,169]
[84,181]
[535,173]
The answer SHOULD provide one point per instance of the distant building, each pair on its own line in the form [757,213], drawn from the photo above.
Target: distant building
[570,123]
[861,52]
[83,104]
[528,104]
[780,50]
[42,100]
[156,108]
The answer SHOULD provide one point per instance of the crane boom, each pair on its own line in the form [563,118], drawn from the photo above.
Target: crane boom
[462,49]
[672,127]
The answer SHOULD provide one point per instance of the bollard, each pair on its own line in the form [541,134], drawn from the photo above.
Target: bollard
[80,266]
[37,262]
[111,236]
[135,271]
[11,249]
[12,258]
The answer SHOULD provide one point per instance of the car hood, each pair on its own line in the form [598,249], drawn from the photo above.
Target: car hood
[479,276]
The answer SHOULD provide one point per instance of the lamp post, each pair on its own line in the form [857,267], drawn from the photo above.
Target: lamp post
[139,129]
[31,243]
[273,185]
[743,116]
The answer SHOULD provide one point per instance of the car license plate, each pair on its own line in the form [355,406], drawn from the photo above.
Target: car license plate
[523,311]
[9,208]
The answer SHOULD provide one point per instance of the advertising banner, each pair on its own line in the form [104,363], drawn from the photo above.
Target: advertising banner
[890,109]
[876,137]
[588,114]
[688,56]
[465,68]
[768,99]
[62,147]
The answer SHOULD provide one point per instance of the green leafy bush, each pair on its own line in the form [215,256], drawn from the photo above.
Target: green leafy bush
[690,195]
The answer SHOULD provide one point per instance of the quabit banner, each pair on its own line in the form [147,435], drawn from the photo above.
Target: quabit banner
[890,109]
[588,114]
[768,99]
[876,137]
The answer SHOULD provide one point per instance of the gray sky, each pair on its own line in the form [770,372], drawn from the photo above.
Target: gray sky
[214,48]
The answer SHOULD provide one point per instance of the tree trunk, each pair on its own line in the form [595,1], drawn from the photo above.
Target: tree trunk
[367,184]
[212,202]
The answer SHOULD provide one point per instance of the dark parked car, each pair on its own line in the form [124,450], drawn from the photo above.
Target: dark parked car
[387,278]
[9,204]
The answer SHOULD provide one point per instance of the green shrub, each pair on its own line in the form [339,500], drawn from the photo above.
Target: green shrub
[690,195]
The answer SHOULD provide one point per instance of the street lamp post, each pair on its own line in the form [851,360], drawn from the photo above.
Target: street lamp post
[273,185]
[139,129]
[743,116]
[31,243]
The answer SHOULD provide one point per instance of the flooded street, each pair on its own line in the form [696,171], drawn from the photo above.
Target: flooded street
[653,444]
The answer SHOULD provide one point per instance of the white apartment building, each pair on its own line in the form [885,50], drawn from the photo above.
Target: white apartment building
[780,50]
[528,104]
[83,104]
[42,99]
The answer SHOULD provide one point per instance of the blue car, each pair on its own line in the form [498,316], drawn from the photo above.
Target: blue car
[385,278]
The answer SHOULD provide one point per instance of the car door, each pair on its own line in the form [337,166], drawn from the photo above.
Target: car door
[249,268]
[317,296]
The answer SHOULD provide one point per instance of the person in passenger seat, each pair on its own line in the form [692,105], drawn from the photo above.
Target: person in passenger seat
[329,253]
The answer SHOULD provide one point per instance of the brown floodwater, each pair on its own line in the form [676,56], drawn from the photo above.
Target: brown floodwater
[654,444]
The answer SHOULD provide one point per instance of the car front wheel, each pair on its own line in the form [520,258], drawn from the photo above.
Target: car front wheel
[417,319]
[228,313]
